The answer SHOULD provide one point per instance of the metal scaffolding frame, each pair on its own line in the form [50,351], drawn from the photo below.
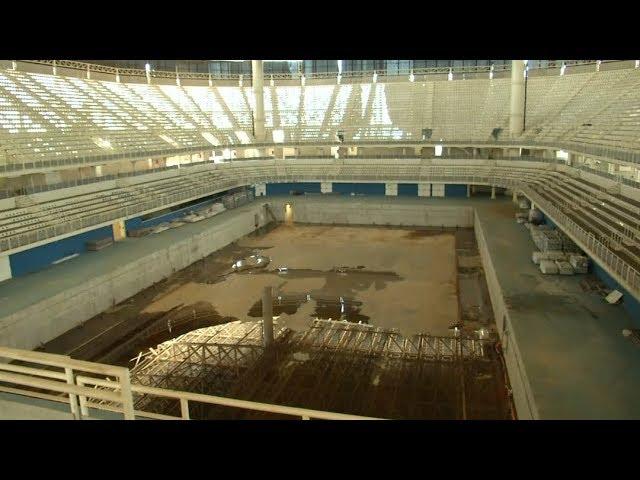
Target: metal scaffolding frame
[334,366]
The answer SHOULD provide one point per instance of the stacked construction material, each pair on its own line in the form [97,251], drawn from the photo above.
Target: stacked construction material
[546,239]
[551,255]
[564,267]
[579,263]
[95,245]
[548,267]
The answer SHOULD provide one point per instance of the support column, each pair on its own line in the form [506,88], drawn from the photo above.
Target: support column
[5,267]
[493,193]
[515,197]
[257,81]
[261,189]
[119,230]
[267,317]
[424,189]
[326,187]
[516,112]
[391,189]
[468,191]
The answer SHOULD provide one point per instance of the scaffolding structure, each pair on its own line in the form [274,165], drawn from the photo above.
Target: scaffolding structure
[334,366]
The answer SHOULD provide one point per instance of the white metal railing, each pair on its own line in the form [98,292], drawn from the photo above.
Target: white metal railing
[54,378]
[113,390]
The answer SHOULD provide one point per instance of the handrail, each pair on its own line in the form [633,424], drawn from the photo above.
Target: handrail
[120,391]
[599,151]
[457,156]
[61,383]
[186,397]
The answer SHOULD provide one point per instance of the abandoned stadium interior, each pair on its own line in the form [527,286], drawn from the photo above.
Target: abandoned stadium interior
[268,242]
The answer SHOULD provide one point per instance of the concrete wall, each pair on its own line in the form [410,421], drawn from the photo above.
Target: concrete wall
[49,318]
[522,396]
[349,210]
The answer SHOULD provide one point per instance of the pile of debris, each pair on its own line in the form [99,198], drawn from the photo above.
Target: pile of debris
[192,216]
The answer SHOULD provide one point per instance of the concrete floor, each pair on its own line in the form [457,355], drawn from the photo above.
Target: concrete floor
[578,363]
[396,279]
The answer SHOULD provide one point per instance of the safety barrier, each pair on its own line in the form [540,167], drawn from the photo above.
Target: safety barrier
[60,378]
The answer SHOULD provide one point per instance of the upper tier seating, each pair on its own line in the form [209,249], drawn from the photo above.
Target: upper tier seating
[47,117]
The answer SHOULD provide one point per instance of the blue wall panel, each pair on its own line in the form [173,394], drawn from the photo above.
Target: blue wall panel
[455,190]
[630,304]
[359,188]
[285,188]
[407,189]
[40,257]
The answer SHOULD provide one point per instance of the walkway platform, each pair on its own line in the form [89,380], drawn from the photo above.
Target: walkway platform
[21,292]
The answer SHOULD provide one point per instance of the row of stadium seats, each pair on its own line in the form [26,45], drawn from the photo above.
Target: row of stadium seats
[620,213]
[46,117]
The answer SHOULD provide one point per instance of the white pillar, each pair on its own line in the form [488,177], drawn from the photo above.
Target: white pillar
[261,189]
[493,193]
[424,189]
[391,189]
[515,197]
[516,113]
[468,191]
[5,267]
[326,187]
[257,81]
[119,230]
[267,317]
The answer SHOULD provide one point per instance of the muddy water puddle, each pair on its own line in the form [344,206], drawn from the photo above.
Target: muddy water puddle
[326,307]
[335,300]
